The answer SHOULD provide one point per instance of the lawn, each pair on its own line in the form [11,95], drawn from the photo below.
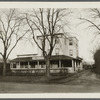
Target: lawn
[34,78]
[82,82]
[83,77]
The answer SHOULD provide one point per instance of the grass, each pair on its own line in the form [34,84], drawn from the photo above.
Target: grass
[34,79]
[54,79]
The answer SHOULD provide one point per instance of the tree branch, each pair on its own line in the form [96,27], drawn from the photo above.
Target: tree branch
[91,23]
[1,54]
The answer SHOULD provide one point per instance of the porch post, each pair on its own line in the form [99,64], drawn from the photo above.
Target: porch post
[28,64]
[38,63]
[81,66]
[73,64]
[60,64]
[19,64]
[11,65]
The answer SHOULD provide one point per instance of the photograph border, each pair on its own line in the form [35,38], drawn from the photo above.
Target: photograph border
[7,97]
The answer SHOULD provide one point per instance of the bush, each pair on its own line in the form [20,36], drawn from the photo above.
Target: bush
[97,61]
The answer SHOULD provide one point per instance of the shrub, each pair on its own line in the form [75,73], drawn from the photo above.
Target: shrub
[97,61]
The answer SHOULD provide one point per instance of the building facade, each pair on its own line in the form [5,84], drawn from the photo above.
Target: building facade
[65,57]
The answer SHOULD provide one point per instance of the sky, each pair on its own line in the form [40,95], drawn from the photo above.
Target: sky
[84,36]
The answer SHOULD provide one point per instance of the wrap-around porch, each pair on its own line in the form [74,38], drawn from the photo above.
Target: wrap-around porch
[56,65]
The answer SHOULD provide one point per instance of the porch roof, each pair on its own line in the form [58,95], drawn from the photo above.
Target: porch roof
[61,57]
[22,59]
[54,57]
[78,58]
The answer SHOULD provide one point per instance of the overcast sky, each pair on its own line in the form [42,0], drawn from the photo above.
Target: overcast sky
[79,30]
[85,37]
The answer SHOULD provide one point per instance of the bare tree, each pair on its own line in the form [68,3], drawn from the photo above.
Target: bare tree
[11,25]
[92,20]
[47,23]
[93,23]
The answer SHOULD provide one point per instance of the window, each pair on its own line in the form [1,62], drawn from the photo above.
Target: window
[76,44]
[14,65]
[77,52]
[57,40]
[21,66]
[70,42]
[33,66]
[57,51]
[42,63]
[26,66]
[71,52]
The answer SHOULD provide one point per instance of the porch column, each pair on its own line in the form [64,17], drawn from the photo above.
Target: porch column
[73,64]
[81,65]
[11,65]
[38,63]
[28,64]
[60,64]
[19,64]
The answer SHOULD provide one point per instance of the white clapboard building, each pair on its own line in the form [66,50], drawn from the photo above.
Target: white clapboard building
[65,57]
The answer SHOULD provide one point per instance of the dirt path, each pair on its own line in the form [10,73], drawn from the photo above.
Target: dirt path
[88,75]
[85,78]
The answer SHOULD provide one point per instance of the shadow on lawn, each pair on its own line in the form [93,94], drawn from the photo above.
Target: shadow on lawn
[75,78]
[35,79]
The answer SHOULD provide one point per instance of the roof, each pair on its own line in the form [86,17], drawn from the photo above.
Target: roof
[22,59]
[61,57]
[50,35]
[74,37]
[78,58]
[27,55]
[55,57]
[68,37]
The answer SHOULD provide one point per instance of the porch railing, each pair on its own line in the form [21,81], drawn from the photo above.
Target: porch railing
[41,70]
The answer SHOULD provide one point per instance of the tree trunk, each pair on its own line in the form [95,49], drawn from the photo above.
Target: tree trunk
[47,67]
[4,66]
